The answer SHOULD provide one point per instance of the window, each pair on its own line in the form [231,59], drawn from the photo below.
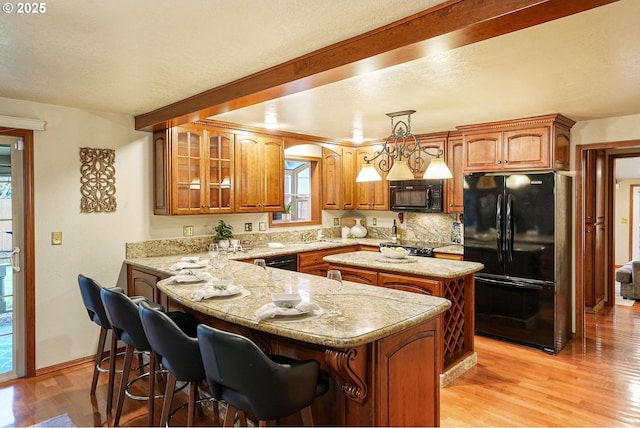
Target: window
[301,193]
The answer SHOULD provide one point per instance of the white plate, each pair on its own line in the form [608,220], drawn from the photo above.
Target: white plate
[282,312]
[232,290]
[192,266]
[186,279]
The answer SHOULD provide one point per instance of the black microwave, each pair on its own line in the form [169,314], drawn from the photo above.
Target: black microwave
[425,196]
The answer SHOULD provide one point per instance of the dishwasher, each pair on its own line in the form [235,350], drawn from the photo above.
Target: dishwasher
[287,262]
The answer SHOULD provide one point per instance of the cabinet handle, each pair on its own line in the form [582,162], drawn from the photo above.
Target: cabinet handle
[498,162]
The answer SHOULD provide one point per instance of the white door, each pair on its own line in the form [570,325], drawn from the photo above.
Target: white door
[12,348]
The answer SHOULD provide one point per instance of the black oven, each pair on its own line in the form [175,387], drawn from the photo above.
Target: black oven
[423,196]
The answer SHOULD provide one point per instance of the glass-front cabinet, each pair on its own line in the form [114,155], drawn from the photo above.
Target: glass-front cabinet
[194,171]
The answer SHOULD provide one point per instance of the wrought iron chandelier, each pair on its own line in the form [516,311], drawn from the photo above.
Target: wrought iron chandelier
[401,156]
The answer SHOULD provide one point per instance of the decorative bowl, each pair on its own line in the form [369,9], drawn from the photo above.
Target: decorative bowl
[286,300]
[394,252]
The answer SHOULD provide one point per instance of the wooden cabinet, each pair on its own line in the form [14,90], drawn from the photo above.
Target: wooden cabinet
[349,174]
[362,276]
[193,170]
[312,261]
[332,182]
[259,173]
[535,143]
[448,256]
[371,195]
[141,282]
[455,186]
[410,283]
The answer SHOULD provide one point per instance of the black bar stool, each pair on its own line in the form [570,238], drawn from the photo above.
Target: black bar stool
[90,292]
[122,313]
[250,381]
[175,344]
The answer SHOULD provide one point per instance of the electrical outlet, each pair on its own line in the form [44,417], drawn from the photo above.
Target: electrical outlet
[336,221]
[187,231]
[56,238]
[374,222]
[262,226]
[248,227]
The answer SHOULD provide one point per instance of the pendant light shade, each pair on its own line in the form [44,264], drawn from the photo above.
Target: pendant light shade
[437,169]
[400,171]
[368,173]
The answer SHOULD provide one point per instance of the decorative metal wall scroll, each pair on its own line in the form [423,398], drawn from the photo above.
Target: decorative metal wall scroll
[98,180]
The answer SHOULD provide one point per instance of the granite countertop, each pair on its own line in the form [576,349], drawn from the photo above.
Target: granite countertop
[368,313]
[425,266]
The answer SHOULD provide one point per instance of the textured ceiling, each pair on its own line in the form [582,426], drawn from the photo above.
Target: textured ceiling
[136,56]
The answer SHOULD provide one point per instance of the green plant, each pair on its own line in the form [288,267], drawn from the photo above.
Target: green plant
[223,231]
[287,208]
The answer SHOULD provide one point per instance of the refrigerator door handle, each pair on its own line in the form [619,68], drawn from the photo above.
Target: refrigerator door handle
[509,228]
[499,226]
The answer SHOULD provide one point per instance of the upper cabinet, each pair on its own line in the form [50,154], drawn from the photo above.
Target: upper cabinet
[193,170]
[349,174]
[541,142]
[370,195]
[259,174]
[332,181]
[455,161]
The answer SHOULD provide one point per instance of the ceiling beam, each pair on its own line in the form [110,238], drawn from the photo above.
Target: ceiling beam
[447,26]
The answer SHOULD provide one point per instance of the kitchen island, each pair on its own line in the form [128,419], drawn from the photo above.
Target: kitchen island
[453,280]
[383,352]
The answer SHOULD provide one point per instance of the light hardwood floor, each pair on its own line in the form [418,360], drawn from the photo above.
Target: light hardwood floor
[595,383]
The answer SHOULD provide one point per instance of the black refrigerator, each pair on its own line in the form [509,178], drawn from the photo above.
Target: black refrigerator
[519,227]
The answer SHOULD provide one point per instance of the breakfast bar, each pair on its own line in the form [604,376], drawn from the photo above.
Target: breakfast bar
[383,351]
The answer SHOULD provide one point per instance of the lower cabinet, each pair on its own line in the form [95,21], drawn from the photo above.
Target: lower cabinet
[312,262]
[410,283]
[141,282]
[448,256]
[362,276]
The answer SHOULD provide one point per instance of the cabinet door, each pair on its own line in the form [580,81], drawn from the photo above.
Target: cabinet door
[483,152]
[364,192]
[186,148]
[259,173]
[272,170]
[527,149]
[219,171]
[589,266]
[348,178]
[140,283]
[248,179]
[352,274]
[410,283]
[331,179]
[162,172]
[380,188]
[455,186]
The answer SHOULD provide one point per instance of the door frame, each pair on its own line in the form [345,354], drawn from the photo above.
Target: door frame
[29,248]
[579,226]
[633,220]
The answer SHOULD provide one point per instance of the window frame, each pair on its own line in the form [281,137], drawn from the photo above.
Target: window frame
[315,175]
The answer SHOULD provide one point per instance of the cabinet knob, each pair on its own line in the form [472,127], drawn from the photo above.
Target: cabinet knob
[498,162]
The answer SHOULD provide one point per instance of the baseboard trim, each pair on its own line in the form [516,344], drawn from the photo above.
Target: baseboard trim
[65,365]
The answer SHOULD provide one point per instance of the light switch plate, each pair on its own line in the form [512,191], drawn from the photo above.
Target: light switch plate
[262,226]
[56,238]
[248,227]
[336,221]
[187,231]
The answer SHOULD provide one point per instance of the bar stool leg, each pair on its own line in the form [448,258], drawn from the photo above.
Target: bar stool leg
[128,356]
[168,399]
[112,371]
[101,341]
[152,386]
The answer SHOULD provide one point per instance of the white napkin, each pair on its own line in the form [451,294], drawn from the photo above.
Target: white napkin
[270,310]
[189,264]
[212,289]
[194,277]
